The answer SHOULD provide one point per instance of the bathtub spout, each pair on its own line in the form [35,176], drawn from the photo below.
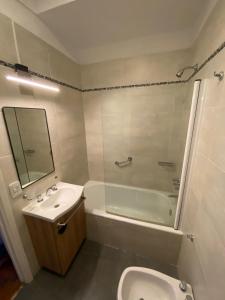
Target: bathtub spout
[183,286]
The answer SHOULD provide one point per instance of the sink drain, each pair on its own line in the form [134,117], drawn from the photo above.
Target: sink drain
[141,299]
[57,205]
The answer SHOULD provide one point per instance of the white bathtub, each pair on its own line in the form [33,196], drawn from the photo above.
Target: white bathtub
[131,202]
[161,243]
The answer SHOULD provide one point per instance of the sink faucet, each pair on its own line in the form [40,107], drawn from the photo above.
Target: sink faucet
[48,191]
[52,188]
[26,197]
[39,198]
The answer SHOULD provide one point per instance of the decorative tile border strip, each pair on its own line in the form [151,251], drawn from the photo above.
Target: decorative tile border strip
[217,51]
[6,64]
[133,86]
[55,81]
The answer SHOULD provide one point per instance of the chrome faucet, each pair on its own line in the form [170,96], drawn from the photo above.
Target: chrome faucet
[173,196]
[28,198]
[183,286]
[48,191]
[52,188]
[39,198]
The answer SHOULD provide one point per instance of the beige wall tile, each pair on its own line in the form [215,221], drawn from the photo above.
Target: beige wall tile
[212,34]
[158,245]
[7,46]
[33,52]
[191,271]
[202,263]
[149,124]
[64,114]
[63,68]
[149,68]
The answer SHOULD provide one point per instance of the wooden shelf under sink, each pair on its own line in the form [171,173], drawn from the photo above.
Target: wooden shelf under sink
[55,251]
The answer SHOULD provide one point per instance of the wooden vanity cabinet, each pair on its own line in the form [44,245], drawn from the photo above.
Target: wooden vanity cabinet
[56,245]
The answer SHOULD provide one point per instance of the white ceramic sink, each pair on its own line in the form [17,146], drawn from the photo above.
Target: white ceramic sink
[146,284]
[56,203]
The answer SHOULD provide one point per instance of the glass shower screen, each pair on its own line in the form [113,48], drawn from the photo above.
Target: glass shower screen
[144,135]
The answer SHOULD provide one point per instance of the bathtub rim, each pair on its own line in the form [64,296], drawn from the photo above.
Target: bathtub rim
[104,214]
[90,183]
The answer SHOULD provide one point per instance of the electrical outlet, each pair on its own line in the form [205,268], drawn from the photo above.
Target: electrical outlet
[15,189]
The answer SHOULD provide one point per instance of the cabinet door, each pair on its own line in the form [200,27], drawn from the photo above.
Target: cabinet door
[69,241]
[43,238]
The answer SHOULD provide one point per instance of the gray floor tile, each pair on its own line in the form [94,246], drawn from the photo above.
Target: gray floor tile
[94,275]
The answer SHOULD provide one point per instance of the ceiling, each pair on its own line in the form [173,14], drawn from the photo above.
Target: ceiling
[97,30]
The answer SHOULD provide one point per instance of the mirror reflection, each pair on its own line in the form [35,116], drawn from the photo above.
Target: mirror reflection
[30,142]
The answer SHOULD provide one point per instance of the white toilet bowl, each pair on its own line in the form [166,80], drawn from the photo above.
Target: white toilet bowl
[146,284]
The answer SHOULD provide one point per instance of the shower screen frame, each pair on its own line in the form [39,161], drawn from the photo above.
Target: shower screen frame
[198,97]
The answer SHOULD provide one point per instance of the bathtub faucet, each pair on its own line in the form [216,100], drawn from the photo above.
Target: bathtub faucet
[173,196]
[183,286]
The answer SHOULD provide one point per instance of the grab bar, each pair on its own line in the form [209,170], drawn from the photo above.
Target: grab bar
[124,163]
[166,164]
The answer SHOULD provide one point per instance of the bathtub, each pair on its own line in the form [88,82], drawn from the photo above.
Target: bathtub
[108,209]
[132,202]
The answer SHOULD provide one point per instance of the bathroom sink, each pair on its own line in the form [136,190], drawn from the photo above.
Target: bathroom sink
[61,198]
[56,203]
[146,284]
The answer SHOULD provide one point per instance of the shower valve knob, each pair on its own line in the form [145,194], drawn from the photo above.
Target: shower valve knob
[191,237]
[183,286]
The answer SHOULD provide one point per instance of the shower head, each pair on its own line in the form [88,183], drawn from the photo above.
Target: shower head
[180,73]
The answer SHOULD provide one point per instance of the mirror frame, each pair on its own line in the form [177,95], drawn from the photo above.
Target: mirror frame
[14,158]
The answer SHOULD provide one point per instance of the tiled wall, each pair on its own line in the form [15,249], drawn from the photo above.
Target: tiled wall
[158,245]
[148,123]
[202,262]
[64,113]
[143,69]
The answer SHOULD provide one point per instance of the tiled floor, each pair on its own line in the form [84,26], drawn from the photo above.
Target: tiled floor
[94,275]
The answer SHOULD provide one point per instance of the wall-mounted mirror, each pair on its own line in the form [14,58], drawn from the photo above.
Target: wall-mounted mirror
[30,142]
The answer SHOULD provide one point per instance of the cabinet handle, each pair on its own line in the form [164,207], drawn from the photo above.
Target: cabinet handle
[62,226]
